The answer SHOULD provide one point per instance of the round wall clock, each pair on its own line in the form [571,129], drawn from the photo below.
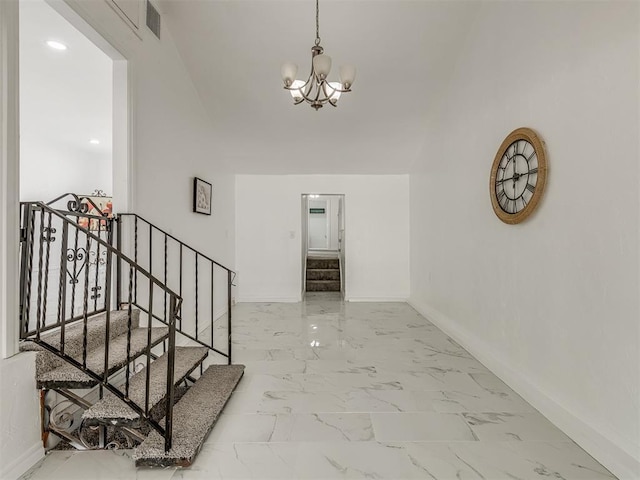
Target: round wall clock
[518,176]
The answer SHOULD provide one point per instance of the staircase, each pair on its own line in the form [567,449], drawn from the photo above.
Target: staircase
[122,359]
[323,274]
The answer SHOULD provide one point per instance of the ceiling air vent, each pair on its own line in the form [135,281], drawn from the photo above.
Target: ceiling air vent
[153,19]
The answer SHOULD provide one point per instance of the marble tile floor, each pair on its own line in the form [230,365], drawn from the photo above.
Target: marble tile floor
[336,390]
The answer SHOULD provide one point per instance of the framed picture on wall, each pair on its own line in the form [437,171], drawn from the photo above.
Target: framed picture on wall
[202,193]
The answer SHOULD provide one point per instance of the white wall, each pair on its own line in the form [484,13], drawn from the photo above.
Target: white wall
[268,229]
[48,170]
[20,444]
[551,305]
[170,144]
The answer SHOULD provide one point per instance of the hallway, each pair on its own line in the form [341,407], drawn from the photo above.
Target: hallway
[358,390]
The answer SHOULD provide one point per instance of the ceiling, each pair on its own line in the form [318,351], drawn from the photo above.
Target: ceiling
[404,52]
[65,96]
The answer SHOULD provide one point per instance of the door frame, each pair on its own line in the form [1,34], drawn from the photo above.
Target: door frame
[342,235]
[9,177]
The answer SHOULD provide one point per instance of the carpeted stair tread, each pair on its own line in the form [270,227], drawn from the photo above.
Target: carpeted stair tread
[322,263]
[73,335]
[323,285]
[95,330]
[67,376]
[193,418]
[114,410]
[323,274]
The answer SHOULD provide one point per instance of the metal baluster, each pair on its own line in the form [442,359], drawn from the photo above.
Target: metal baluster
[129,321]
[180,286]
[50,239]
[102,431]
[212,313]
[196,295]
[24,255]
[40,259]
[107,306]
[135,257]
[117,223]
[165,276]
[96,285]
[150,249]
[74,279]
[30,235]
[170,375]
[62,289]
[85,306]
[229,280]
[164,344]
[148,373]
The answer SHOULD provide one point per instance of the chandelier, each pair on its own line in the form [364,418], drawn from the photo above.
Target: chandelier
[317,90]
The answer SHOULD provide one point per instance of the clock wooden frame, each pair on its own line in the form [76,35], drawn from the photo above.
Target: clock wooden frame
[532,137]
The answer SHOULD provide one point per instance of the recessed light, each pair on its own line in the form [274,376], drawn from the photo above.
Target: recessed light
[56,45]
[94,141]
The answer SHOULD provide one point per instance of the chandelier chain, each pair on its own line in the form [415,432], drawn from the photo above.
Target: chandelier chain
[317,23]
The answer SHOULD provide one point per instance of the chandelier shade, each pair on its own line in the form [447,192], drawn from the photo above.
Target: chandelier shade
[289,72]
[317,90]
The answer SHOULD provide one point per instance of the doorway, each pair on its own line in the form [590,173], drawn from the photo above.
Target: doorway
[66,108]
[74,109]
[323,248]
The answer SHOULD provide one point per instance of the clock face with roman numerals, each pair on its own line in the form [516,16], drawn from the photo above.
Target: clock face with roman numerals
[518,176]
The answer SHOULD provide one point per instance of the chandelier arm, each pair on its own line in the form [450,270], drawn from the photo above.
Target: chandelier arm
[301,87]
[334,90]
[318,90]
[324,86]
[305,95]
[305,90]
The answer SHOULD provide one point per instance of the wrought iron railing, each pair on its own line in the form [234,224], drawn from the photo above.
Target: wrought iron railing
[66,276]
[204,316]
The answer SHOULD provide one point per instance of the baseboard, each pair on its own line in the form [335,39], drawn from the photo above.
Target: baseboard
[250,299]
[376,299]
[24,462]
[620,461]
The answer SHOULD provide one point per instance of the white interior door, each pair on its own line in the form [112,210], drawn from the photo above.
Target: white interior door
[318,224]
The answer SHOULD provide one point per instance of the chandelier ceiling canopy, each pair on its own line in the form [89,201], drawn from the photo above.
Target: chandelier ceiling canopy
[317,90]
